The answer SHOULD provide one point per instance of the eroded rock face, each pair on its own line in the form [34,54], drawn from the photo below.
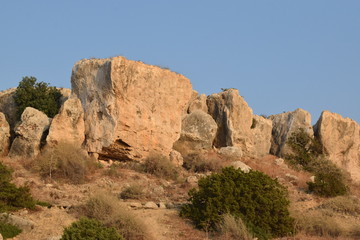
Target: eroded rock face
[234,119]
[29,133]
[198,103]
[261,129]
[284,125]
[340,138]
[8,106]
[130,108]
[68,126]
[4,135]
[198,131]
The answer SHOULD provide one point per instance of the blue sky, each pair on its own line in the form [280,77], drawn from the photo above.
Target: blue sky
[280,54]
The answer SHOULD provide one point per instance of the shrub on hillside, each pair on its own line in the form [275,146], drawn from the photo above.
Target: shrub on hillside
[258,200]
[198,163]
[12,197]
[8,230]
[90,229]
[29,93]
[161,167]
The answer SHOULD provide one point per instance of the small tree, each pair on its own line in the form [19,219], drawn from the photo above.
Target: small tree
[40,95]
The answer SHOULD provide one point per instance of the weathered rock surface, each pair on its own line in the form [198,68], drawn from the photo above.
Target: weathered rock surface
[68,126]
[8,106]
[198,103]
[232,152]
[198,130]
[340,138]
[240,165]
[17,221]
[29,133]
[234,119]
[261,130]
[130,108]
[284,125]
[4,135]
[176,158]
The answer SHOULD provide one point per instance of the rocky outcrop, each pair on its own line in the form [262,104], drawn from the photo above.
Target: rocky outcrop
[340,138]
[4,135]
[261,130]
[198,130]
[8,106]
[234,119]
[68,126]
[176,158]
[198,102]
[130,108]
[284,125]
[231,152]
[29,133]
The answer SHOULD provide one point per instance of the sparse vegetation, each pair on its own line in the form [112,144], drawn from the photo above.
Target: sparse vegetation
[8,230]
[232,228]
[132,192]
[198,163]
[90,229]
[243,195]
[39,95]
[64,162]
[161,167]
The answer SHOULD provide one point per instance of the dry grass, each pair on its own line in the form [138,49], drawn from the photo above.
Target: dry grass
[108,210]
[232,228]
[161,167]
[203,163]
[134,191]
[348,205]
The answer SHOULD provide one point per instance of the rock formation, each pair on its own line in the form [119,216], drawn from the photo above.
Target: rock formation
[130,108]
[8,106]
[234,119]
[340,138]
[68,126]
[198,102]
[4,135]
[261,130]
[284,125]
[29,133]
[198,130]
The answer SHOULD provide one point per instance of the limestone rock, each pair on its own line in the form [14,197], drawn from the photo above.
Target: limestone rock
[234,119]
[232,152]
[240,165]
[21,223]
[8,106]
[284,125]
[4,135]
[340,138]
[261,129]
[198,103]
[130,108]
[1,237]
[68,126]
[29,133]
[151,205]
[198,130]
[176,158]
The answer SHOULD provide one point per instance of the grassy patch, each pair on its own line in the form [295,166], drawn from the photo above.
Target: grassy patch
[8,230]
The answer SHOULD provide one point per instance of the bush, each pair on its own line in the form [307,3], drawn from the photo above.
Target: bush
[89,229]
[199,163]
[29,93]
[161,167]
[258,200]
[12,197]
[64,162]
[132,192]
[8,230]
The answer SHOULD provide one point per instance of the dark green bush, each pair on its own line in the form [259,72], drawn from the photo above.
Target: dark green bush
[12,197]
[8,230]
[254,197]
[90,229]
[29,93]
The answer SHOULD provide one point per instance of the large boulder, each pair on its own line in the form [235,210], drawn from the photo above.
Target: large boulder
[68,126]
[261,130]
[130,108]
[234,119]
[198,130]
[29,133]
[284,125]
[340,138]
[4,135]
[8,106]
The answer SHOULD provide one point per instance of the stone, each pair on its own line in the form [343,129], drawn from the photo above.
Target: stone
[232,152]
[240,165]
[284,125]
[68,126]
[4,135]
[8,106]
[192,179]
[130,108]
[340,138]
[162,205]
[261,130]
[198,130]
[176,158]
[1,237]
[234,119]
[291,177]
[135,205]
[279,161]
[198,103]
[23,224]
[29,133]
[150,205]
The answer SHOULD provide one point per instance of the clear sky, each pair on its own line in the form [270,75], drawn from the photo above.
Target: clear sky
[280,54]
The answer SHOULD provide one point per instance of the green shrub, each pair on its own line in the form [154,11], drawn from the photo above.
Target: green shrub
[29,93]
[258,200]
[90,229]
[8,230]
[12,197]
